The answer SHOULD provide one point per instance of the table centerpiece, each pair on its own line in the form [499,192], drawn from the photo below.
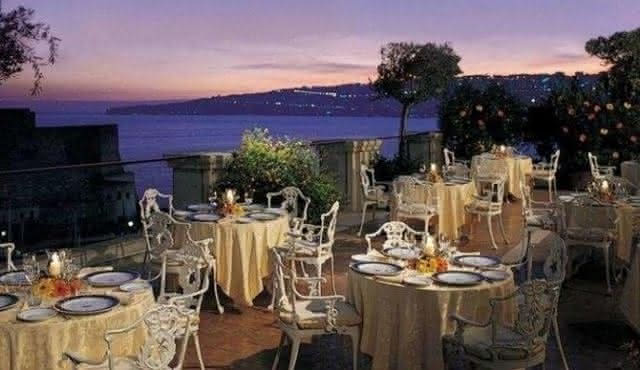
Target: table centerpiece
[228,205]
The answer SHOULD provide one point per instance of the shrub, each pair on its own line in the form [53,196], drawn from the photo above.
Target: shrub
[388,169]
[266,164]
[473,120]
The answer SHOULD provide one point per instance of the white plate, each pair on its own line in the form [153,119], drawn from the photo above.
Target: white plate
[418,280]
[277,211]
[14,278]
[461,278]
[253,207]
[377,268]
[7,301]
[205,217]
[86,305]
[565,198]
[403,253]
[495,275]
[365,258]
[37,314]
[263,216]
[244,220]
[477,261]
[135,286]
[202,207]
[182,214]
[111,278]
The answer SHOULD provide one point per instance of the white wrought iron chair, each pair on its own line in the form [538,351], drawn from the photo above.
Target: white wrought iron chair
[538,215]
[490,206]
[301,316]
[292,199]
[414,199]
[373,194]
[149,202]
[487,171]
[580,230]
[313,245]
[599,172]
[455,167]
[197,263]
[164,325]
[149,206]
[493,345]
[9,248]
[547,172]
[398,234]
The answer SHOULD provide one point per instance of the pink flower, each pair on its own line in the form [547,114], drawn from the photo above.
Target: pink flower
[582,138]
[619,125]
[609,106]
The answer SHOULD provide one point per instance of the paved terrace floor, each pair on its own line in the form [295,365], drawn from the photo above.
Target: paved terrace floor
[246,338]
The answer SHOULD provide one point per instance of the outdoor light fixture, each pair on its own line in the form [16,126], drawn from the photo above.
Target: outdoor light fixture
[130,223]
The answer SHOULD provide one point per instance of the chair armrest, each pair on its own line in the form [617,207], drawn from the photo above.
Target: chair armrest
[467,322]
[78,359]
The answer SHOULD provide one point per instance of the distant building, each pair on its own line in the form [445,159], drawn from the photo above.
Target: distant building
[61,207]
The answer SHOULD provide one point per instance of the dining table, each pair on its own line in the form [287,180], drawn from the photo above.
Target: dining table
[518,168]
[403,325]
[242,248]
[40,345]
[452,196]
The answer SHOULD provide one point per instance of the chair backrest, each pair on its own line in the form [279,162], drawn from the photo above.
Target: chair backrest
[449,157]
[555,265]
[367,178]
[496,195]
[164,325]
[594,167]
[158,233]
[410,190]
[527,205]
[195,266]
[555,157]
[328,223]
[149,203]
[489,167]
[398,234]
[292,197]
[9,248]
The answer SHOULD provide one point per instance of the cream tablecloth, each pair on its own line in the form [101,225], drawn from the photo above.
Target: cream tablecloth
[451,201]
[242,253]
[518,168]
[31,346]
[403,326]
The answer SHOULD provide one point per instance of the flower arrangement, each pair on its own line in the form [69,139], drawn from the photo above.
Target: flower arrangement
[49,287]
[434,259]
[229,207]
[605,190]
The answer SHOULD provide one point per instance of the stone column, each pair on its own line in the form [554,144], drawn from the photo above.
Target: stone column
[193,176]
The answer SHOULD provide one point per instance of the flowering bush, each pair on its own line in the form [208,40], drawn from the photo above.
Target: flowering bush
[265,164]
[472,121]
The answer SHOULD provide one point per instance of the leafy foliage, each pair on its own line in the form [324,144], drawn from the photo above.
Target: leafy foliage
[472,121]
[266,164]
[412,73]
[387,169]
[19,35]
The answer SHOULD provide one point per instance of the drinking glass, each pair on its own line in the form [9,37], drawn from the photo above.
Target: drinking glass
[248,198]
[30,267]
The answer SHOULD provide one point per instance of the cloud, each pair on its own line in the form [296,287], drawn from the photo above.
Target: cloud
[317,67]
[562,59]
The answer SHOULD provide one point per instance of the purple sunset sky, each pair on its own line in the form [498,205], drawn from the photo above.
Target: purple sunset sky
[159,49]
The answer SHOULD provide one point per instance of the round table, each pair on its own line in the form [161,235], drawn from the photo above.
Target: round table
[242,252]
[518,168]
[403,326]
[26,346]
[452,197]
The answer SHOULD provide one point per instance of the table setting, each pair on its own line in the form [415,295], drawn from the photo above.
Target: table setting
[56,305]
[243,234]
[405,302]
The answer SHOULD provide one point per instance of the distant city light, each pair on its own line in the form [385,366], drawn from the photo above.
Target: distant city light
[533,100]
[3,233]
[130,223]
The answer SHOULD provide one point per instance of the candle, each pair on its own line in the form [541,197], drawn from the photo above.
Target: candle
[433,168]
[230,196]
[502,148]
[605,185]
[55,265]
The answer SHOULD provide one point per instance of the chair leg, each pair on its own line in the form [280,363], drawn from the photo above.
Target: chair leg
[196,341]
[283,339]
[555,187]
[375,209]
[549,185]
[493,240]
[504,235]
[556,333]
[333,279]
[364,211]
[319,272]
[355,345]
[215,288]
[295,347]
[606,251]
[274,287]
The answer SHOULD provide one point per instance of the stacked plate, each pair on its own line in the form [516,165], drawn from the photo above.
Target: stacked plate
[263,216]
[86,305]
[403,253]
[476,261]
[253,207]
[7,301]
[205,217]
[135,286]
[14,278]
[202,207]
[377,268]
[277,211]
[458,278]
[37,314]
[182,214]
[110,279]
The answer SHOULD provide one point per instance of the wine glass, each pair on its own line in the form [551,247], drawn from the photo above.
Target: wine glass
[213,199]
[31,269]
[248,197]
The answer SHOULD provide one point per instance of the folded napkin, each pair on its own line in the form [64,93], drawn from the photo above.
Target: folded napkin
[398,279]
[85,271]
[124,298]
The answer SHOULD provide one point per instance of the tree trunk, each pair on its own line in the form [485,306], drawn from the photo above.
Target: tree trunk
[402,147]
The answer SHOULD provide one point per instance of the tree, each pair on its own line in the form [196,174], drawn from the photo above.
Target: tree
[19,37]
[413,73]
[620,51]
